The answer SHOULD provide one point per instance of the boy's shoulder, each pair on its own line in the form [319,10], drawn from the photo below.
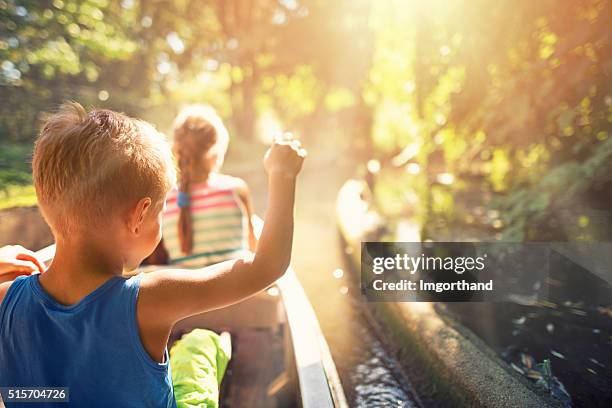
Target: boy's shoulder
[5,286]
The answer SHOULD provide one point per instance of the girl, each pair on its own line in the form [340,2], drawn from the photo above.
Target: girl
[208,219]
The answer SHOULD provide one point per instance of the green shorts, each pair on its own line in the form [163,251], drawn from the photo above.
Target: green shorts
[198,363]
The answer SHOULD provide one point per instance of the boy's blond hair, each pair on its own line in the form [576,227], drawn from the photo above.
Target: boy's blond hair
[88,167]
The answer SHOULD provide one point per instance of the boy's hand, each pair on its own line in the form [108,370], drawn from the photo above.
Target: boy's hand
[15,259]
[284,158]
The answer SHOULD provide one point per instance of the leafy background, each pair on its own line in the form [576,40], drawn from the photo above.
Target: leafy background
[507,101]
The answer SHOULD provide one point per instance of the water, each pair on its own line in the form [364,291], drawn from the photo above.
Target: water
[572,329]
[370,375]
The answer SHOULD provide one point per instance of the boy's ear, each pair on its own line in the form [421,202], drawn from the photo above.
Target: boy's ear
[138,214]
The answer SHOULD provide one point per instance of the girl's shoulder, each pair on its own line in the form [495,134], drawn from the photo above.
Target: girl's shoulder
[226,181]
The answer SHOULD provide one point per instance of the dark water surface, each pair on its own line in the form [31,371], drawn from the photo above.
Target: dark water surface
[572,329]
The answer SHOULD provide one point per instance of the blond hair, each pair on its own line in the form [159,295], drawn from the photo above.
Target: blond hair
[198,130]
[89,166]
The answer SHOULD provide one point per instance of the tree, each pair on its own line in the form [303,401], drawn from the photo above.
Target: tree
[517,93]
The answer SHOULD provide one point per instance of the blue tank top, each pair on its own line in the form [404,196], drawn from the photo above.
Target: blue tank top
[92,347]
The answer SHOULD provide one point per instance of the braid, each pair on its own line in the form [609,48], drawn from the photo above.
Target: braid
[197,129]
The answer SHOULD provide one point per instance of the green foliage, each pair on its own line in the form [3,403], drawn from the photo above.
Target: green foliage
[295,95]
[17,196]
[514,93]
[559,188]
[150,56]
[13,168]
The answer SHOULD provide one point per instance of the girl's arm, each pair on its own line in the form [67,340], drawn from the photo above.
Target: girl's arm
[245,197]
[167,296]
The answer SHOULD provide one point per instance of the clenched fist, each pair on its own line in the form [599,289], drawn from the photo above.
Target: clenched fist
[285,157]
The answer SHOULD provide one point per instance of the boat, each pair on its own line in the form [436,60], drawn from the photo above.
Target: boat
[280,357]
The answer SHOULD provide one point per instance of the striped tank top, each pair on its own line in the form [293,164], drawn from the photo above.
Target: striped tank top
[220,223]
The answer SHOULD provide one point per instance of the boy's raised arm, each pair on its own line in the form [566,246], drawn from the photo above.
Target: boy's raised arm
[167,296]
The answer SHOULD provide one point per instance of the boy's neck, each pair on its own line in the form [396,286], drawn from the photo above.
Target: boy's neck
[78,268]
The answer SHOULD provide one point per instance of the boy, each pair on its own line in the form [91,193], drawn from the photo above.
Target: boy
[101,179]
